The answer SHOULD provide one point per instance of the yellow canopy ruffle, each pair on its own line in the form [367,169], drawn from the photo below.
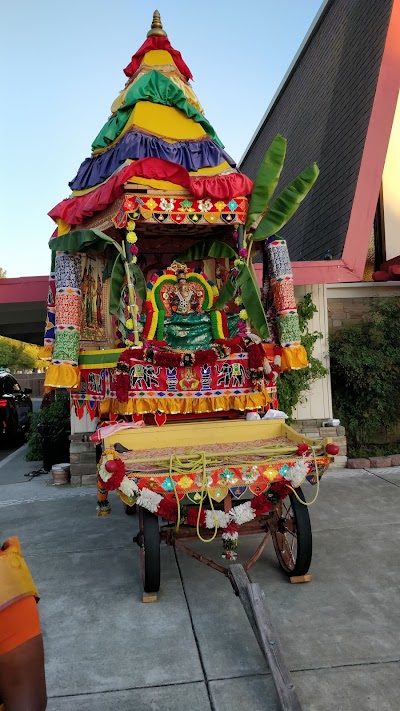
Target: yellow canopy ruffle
[62,375]
[45,353]
[158,120]
[294,358]
[170,71]
[184,406]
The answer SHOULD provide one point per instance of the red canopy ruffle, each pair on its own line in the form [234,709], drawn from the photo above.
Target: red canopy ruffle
[157,43]
[224,187]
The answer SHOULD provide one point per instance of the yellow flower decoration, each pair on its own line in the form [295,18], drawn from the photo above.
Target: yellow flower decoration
[134,260]
[129,324]
[271,474]
[243,315]
[238,300]
[131,224]
[131,237]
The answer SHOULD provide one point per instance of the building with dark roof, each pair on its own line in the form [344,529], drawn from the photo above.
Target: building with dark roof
[336,106]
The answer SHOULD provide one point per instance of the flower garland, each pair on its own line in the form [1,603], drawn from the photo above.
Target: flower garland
[112,475]
[130,298]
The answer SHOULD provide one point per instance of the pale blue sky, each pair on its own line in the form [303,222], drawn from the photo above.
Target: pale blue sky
[61,68]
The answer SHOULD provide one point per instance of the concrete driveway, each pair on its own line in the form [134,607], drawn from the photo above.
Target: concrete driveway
[194,649]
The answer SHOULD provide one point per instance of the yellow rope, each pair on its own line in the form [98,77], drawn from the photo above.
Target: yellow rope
[204,488]
[178,503]
[309,503]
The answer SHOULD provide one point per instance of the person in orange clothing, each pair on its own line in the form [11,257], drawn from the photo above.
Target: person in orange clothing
[22,677]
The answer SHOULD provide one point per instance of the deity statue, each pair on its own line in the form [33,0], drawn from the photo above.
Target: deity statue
[184,299]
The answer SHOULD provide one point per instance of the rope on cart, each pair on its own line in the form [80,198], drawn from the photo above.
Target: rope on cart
[309,503]
[202,494]
[178,503]
[176,466]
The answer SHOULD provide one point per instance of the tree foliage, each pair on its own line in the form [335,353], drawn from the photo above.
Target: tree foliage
[294,384]
[365,372]
[16,355]
[50,424]
[3,273]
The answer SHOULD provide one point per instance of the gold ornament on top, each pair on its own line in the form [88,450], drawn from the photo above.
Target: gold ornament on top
[156,26]
[179,268]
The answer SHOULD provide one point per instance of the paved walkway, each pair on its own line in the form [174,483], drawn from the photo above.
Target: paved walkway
[194,649]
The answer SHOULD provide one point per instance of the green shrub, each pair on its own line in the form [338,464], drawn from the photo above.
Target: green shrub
[50,424]
[293,384]
[365,372]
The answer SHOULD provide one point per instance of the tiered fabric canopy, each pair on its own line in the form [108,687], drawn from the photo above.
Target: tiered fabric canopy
[157,136]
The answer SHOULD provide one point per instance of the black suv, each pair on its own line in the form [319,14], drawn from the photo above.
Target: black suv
[15,408]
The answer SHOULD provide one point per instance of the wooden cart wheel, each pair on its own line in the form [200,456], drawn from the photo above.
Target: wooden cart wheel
[292,537]
[130,510]
[150,550]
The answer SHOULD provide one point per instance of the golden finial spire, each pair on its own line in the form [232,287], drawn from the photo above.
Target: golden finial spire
[156,26]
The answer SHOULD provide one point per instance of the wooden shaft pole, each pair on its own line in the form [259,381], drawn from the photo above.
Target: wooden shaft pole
[253,600]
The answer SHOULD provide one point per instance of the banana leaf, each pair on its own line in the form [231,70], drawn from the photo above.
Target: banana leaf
[83,240]
[252,301]
[285,205]
[108,269]
[266,180]
[227,293]
[140,283]
[203,250]
[117,282]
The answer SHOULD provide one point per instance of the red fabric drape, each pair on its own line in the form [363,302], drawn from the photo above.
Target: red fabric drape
[224,187]
[157,43]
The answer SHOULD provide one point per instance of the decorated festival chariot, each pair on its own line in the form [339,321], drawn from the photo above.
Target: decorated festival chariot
[157,324]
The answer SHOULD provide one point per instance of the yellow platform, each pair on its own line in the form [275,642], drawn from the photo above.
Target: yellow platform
[196,434]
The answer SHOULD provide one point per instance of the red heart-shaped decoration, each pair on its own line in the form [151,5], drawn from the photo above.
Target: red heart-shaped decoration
[160,418]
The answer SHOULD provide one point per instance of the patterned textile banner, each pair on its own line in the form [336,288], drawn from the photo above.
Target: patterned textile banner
[49,330]
[281,283]
[228,377]
[205,388]
[181,210]
[67,307]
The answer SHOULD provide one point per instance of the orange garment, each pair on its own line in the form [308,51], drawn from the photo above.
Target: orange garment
[19,622]
[19,618]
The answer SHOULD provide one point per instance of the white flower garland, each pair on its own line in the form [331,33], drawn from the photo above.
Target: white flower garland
[150,500]
[219,518]
[128,487]
[242,513]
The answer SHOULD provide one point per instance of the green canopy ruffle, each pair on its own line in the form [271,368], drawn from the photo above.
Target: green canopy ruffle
[158,89]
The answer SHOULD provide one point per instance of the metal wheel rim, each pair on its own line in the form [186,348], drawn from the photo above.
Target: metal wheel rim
[286,540]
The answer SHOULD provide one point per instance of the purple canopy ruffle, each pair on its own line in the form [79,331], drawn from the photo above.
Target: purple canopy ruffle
[135,145]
